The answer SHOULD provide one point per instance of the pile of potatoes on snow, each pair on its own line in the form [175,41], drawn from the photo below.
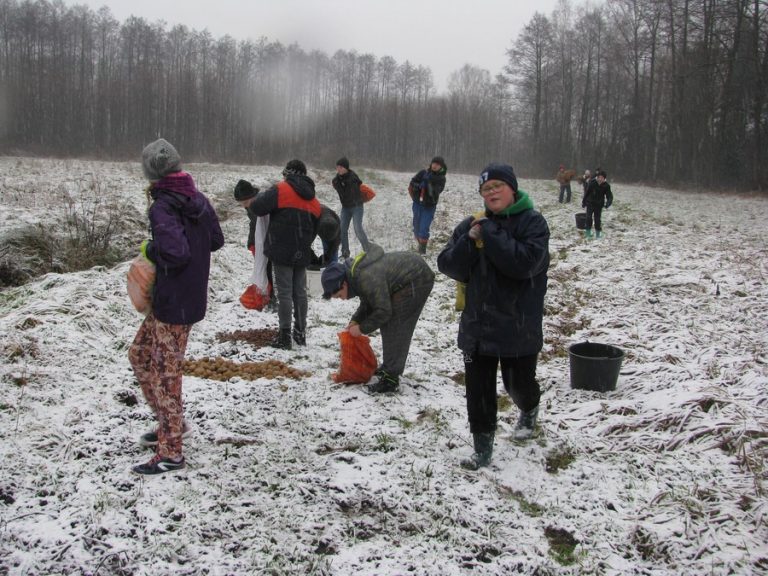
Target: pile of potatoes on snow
[223,369]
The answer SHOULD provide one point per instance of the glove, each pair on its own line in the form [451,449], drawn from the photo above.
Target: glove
[143,250]
[252,249]
[607,206]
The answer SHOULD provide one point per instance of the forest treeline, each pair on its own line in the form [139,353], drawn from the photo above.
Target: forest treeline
[669,91]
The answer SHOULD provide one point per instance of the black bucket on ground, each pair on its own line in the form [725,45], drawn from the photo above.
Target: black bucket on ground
[581,220]
[595,366]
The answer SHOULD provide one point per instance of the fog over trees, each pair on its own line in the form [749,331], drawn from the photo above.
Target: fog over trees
[670,91]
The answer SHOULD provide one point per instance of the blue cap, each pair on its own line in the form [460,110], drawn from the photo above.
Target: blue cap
[333,277]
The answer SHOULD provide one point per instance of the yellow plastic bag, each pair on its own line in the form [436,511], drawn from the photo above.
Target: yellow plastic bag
[461,295]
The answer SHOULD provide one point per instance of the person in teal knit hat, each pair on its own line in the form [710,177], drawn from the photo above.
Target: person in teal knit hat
[501,255]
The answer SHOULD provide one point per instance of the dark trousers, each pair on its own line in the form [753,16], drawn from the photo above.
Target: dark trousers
[597,213]
[565,189]
[397,333]
[519,377]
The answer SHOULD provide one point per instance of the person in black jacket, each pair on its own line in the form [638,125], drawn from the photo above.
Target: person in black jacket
[329,231]
[425,189]
[597,197]
[502,257]
[294,212]
[347,185]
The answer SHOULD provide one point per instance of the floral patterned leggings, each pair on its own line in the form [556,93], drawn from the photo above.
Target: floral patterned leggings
[157,358]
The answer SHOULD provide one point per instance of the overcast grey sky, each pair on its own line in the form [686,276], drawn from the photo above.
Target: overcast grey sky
[441,34]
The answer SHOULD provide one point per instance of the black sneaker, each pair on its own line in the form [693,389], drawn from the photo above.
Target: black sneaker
[159,465]
[386,384]
[150,438]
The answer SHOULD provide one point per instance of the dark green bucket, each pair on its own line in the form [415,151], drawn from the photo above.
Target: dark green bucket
[595,366]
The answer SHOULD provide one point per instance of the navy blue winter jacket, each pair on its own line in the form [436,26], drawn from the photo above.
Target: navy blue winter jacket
[506,280]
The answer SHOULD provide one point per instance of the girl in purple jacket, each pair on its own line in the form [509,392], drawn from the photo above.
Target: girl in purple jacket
[184,230]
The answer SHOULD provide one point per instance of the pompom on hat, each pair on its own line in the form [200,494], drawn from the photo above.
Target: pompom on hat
[160,158]
[502,172]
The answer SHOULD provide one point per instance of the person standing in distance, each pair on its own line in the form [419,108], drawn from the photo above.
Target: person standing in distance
[347,185]
[425,189]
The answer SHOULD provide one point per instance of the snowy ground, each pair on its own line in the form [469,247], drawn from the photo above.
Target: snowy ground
[665,475]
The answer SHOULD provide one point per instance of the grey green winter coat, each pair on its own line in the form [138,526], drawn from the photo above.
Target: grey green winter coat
[375,276]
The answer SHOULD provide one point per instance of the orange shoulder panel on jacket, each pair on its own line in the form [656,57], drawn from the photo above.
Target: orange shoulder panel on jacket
[287,197]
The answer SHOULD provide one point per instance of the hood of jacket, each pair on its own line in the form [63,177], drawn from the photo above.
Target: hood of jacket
[522,204]
[179,189]
[365,259]
[303,185]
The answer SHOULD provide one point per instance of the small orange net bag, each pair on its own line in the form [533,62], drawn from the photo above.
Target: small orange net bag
[358,360]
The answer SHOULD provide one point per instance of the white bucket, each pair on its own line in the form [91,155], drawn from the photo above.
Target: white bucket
[314,284]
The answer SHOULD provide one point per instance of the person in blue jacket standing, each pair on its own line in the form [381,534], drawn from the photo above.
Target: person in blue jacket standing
[502,257]
[425,189]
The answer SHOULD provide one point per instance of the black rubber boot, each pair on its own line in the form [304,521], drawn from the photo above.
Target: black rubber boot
[300,337]
[283,340]
[422,247]
[483,451]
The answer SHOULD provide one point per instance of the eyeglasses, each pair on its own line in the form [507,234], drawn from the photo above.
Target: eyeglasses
[491,188]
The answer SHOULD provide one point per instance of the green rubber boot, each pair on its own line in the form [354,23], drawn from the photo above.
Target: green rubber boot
[483,451]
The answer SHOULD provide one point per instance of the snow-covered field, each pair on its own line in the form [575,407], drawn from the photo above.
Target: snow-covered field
[665,475]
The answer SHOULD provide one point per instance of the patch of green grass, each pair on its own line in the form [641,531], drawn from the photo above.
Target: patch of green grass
[526,506]
[504,403]
[559,459]
[384,442]
[433,416]
[404,422]
[562,545]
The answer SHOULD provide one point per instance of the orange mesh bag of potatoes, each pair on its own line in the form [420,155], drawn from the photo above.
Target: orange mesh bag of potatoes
[141,278]
[254,298]
[358,361]
[367,193]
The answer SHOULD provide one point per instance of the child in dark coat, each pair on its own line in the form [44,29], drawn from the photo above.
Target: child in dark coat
[502,256]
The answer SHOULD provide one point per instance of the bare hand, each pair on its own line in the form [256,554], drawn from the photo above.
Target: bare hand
[354,329]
